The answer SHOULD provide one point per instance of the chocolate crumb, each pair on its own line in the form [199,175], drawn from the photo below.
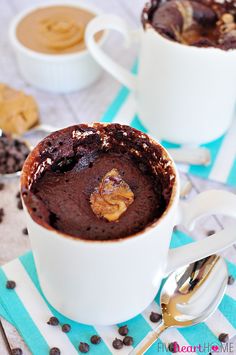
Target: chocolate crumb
[128,341]
[117,344]
[173,347]
[66,328]
[231,280]
[123,330]
[155,317]
[54,351]
[1,212]
[18,194]
[25,231]
[19,205]
[95,339]
[2,186]
[83,347]
[53,321]
[223,337]
[210,232]
[10,284]
[17,351]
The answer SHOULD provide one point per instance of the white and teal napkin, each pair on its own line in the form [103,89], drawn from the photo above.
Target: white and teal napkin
[27,309]
[223,150]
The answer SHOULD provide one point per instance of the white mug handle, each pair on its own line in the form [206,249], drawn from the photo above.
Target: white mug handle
[104,22]
[208,202]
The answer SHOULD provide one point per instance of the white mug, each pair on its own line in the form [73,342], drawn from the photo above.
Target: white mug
[184,94]
[108,282]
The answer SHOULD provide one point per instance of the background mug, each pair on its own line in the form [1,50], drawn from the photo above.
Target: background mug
[184,94]
[108,282]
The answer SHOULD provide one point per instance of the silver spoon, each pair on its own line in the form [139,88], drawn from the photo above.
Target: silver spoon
[196,155]
[189,296]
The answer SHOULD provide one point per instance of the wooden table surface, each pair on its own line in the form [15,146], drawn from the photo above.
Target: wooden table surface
[58,110]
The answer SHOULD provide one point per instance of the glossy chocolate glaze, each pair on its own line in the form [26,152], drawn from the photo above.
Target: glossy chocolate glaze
[200,23]
[65,168]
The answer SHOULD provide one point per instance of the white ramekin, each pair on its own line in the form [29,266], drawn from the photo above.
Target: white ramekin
[59,73]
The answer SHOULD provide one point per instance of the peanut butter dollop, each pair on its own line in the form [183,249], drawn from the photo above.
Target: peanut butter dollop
[112,197]
[18,111]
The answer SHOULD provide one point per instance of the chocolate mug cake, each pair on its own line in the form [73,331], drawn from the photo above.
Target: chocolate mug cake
[98,182]
[201,23]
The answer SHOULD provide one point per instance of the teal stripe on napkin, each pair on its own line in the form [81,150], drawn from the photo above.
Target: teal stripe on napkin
[232,175]
[228,308]
[80,332]
[22,320]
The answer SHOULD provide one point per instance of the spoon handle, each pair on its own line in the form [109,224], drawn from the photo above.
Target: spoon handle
[151,337]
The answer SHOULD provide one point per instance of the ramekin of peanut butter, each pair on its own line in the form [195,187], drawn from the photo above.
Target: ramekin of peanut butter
[50,48]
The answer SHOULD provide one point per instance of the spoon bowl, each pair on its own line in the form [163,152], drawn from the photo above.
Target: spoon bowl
[189,296]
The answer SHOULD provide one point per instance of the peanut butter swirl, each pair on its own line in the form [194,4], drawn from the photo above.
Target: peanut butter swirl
[55,29]
[60,32]
[112,198]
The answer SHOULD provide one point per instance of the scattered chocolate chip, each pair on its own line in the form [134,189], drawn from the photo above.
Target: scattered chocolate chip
[173,347]
[19,205]
[66,328]
[123,330]
[17,351]
[10,284]
[54,351]
[18,194]
[53,321]
[1,186]
[223,337]
[1,212]
[13,153]
[155,317]
[128,341]
[95,339]
[83,347]
[210,232]
[25,231]
[231,280]
[117,344]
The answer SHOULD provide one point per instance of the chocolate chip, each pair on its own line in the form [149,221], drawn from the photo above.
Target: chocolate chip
[117,344]
[17,351]
[10,284]
[66,328]
[1,212]
[95,339]
[19,205]
[128,341]
[155,317]
[53,321]
[123,330]
[210,232]
[13,153]
[18,194]
[25,231]
[173,347]
[83,347]
[54,351]
[1,186]
[223,337]
[231,280]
